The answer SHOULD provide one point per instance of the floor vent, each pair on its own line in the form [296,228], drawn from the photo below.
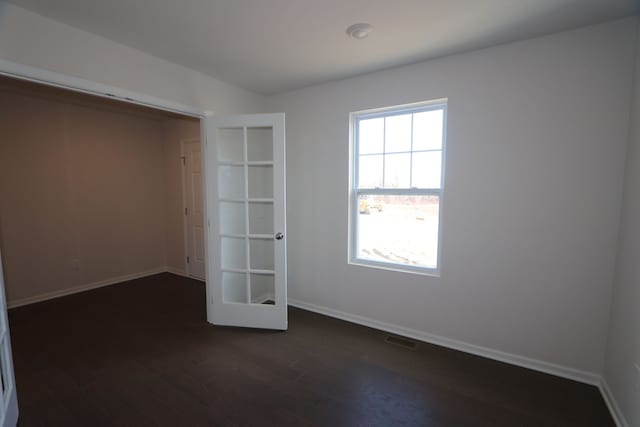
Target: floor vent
[402,342]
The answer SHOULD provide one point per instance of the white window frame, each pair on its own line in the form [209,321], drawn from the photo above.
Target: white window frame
[354,191]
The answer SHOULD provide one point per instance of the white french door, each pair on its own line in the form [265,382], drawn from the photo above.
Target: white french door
[9,403]
[246,236]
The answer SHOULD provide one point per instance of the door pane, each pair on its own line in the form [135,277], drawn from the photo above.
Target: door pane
[262,254]
[263,289]
[260,182]
[230,145]
[233,253]
[232,220]
[260,144]
[234,287]
[261,218]
[231,182]
[247,158]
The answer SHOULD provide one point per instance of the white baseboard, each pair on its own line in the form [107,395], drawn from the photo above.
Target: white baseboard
[82,288]
[177,272]
[612,404]
[513,359]
[94,285]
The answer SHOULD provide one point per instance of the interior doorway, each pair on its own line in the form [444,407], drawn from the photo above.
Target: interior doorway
[90,190]
[175,249]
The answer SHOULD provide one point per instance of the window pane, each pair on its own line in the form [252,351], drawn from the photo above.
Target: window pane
[370,171]
[427,130]
[397,133]
[371,136]
[426,169]
[396,170]
[399,229]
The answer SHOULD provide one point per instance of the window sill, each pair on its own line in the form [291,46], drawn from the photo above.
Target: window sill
[422,271]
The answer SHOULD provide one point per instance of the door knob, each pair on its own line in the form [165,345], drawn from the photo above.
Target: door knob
[279,236]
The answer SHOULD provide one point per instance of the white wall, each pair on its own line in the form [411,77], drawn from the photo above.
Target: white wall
[534,175]
[623,350]
[30,39]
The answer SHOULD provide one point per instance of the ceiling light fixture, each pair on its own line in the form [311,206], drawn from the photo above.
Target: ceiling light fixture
[359,31]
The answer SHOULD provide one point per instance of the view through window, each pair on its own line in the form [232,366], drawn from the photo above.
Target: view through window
[397,186]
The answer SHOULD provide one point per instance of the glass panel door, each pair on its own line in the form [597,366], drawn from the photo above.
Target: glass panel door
[246,195]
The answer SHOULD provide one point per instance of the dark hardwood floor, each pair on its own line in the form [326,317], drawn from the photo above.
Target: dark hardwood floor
[142,354]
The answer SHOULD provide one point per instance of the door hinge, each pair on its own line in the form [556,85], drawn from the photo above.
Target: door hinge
[186,211]
[187,259]
[184,159]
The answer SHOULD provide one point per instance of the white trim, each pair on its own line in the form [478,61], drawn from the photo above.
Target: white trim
[86,287]
[99,284]
[612,404]
[178,272]
[182,273]
[76,84]
[513,359]
[204,134]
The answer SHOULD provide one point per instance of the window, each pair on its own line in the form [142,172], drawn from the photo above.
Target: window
[396,191]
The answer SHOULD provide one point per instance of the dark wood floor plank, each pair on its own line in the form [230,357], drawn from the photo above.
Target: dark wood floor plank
[142,354]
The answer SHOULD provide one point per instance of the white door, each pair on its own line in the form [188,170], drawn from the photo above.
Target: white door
[9,404]
[245,193]
[193,211]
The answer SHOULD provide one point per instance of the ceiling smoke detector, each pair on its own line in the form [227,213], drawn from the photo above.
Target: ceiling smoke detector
[359,31]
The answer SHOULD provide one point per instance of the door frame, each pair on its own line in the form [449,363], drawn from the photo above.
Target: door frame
[77,84]
[185,226]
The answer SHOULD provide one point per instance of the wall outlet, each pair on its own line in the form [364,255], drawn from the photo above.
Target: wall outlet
[75,264]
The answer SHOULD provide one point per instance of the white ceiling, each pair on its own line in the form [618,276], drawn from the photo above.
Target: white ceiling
[270,46]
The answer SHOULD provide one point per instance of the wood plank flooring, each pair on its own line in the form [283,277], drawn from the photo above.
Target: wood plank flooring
[142,354]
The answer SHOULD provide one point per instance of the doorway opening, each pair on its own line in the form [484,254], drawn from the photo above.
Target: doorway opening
[90,191]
